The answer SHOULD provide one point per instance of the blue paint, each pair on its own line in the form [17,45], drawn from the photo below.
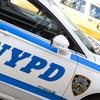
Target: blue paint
[36,63]
[5,47]
[30,88]
[33,64]
[85,62]
[16,57]
[53,67]
[27,37]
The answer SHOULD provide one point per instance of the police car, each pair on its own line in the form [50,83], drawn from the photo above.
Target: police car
[43,56]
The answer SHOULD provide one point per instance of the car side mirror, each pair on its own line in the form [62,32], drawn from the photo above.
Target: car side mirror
[61,43]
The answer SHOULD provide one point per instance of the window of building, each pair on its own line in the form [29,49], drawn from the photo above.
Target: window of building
[78,5]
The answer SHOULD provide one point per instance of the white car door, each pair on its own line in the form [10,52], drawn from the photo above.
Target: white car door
[26,59]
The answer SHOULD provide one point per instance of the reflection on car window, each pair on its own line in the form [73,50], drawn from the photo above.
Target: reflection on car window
[95,11]
[79,5]
[41,23]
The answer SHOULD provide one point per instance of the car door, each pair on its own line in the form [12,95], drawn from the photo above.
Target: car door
[27,59]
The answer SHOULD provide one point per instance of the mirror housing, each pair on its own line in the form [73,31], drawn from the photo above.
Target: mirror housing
[60,42]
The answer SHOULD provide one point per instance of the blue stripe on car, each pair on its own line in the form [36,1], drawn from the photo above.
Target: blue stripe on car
[26,36]
[30,88]
[85,62]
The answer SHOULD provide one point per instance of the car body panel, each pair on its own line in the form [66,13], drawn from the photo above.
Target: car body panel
[13,40]
[32,67]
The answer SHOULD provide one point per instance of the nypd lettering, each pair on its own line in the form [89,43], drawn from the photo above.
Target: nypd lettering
[36,63]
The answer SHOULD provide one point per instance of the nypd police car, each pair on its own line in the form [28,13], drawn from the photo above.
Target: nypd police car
[44,56]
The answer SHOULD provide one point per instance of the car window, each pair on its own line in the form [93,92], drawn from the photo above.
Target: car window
[30,17]
[78,5]
[95,11]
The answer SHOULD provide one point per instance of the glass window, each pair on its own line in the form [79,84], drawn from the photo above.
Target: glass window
[30,17]
[95,11]
[79,5]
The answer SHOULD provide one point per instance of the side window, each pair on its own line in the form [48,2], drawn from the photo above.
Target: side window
[95,11]
[30,17]
[79,5]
